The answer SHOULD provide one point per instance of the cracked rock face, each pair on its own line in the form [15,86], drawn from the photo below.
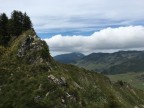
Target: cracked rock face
[33,48]
[29,44]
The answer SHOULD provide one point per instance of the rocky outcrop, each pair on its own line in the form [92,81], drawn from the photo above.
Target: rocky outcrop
[33,50]
[31,43]
[61,81]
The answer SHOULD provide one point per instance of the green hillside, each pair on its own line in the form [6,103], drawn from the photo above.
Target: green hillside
[135,79]
[114,63]
[30,78]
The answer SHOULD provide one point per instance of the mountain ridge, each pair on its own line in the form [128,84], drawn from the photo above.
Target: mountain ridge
[107,61]
[113,63]
[69,58]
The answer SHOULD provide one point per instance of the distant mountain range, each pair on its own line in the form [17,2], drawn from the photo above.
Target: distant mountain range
[109,63]
[69,58]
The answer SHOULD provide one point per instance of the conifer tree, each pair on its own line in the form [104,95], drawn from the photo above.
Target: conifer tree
[14,26]
[26,22]
[16,22]
[3,29]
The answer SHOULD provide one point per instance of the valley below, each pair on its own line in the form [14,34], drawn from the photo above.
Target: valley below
[127,66]
[134,79]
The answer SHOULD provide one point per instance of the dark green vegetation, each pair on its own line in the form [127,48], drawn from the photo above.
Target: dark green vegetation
[117,65]
[135,79]
[30,78]
[113,63]
[13,27]
[69,58]
[127,66]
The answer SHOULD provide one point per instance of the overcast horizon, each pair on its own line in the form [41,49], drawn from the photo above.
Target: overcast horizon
[84,26]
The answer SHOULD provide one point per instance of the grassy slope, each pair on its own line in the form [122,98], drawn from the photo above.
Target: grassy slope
[25,85]
[114,63]
[135,79]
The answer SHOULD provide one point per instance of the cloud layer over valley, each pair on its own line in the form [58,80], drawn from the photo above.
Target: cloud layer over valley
[84,25]
[130,37]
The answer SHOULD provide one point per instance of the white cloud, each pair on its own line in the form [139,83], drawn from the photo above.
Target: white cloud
[107,39]
[49,14]
[53,16]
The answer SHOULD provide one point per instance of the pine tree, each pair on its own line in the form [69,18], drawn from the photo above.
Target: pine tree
[16,22]
[14,26]
[26,22]
[3,29]
[19,23]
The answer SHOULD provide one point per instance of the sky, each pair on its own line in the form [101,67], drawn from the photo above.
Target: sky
[84,25]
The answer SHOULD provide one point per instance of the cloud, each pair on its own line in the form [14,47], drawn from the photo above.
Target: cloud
[77,14]
[107,39]
[84,17]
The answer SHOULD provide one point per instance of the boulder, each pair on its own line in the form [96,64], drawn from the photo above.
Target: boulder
[61,81]
[53,79]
